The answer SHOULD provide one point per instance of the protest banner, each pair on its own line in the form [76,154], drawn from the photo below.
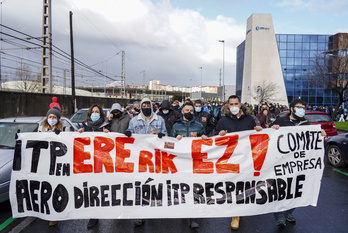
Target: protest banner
[109,175]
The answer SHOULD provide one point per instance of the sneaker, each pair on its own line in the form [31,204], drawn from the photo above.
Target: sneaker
[235,223]
[139,222]
[194,224]
[291,218]
[281,223]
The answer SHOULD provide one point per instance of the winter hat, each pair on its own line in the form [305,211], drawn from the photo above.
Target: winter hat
[54,110]
[116,106]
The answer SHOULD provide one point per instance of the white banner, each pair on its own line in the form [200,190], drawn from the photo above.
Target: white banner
[108,175]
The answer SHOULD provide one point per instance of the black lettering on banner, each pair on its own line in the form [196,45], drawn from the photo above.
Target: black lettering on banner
[93,196]
[85,194]
[209,193]
[289,195]
[46,192]
[230,186]
[60,198]
[157,195]
[198,191]
[169,192]
[34,187]
[104,196]
[185,189]
[22,192]
[263,199]
[114,200]
[291,138]
[271,190]
[78,197]
[145,194]
[176,193]
[281,184]
[17,158]
[126,202]
[218,189]
[37,146]
[318,142]
[66,169]
[278,145]
[299,186]
[240,192]
[58,149]
[137,192]
[250,192]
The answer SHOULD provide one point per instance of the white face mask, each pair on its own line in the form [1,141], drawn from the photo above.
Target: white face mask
[234,110]
[52,122]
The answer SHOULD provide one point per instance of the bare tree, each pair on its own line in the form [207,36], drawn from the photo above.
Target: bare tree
[330,72]
[26,81]
[266,92]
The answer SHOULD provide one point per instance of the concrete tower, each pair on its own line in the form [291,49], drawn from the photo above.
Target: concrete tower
[262,70]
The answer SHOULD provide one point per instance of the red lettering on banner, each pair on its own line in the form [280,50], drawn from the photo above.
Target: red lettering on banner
[145,161]
[121,154]
[80,156]
[158,160]
[259,146]
[199,166]
[167,163]
[102,147]
[221,165]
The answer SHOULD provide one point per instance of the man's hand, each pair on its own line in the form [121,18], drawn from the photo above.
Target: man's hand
[204,137]
[323,133]
[105,130]
[81,130]
[258,128]
[128,133]
[160,135]
[223,132]
[179,137]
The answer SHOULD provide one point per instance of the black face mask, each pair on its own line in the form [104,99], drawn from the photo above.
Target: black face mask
[117,115]
[146,111]
[188,116]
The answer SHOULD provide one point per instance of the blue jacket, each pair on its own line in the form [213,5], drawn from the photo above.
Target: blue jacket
[186,127]
[138,124]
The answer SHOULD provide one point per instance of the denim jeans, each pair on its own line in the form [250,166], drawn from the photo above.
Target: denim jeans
[281,216]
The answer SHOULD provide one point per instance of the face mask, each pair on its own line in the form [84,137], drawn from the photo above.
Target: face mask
[117,115]
[300,112]
[234,110]
[198,109]
[188,116]
[165,112]
[95,116]
[146,111]
[52,122]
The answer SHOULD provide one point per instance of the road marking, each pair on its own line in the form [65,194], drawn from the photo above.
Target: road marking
[344,173]
[22,225]
[6,223]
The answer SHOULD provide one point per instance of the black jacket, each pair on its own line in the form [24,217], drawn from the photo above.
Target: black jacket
[233,124]
[171,118]
[205,119]
[286,121]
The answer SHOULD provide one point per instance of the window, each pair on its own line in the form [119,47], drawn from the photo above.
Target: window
[313,46]
[298,38]
[298,46]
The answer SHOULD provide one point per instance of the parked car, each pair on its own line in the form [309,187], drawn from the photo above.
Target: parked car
[336,150]
[8,129]
[315,118]
[80,116]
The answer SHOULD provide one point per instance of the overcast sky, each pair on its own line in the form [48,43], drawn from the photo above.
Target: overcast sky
[169,39]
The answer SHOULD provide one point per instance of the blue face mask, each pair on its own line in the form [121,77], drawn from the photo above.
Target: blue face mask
[95,116]
[165,111]
[300,112]
[198,109]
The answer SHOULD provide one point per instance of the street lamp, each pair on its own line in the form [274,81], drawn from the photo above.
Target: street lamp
[223,69]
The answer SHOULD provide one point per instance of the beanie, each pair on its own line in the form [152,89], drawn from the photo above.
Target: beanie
[54,110]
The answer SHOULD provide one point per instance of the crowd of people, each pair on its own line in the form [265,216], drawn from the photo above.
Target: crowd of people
[190,119]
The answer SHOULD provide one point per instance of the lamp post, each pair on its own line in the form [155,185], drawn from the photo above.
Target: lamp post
[223,69]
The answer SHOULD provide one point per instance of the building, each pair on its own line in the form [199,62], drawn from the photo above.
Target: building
[296,53]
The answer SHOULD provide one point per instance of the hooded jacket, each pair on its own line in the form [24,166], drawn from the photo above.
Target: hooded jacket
[139,124]
[118,125]
[185,128]
[171,117]
[231,123]
[55,103]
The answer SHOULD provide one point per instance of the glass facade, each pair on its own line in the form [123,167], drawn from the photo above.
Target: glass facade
[296,52]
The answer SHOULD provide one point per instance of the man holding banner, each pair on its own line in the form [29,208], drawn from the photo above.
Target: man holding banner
[235,120]
[294,118]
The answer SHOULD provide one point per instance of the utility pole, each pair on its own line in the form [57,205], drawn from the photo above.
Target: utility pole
[144,83]
[64,83]
[46,64]
[123,71]
[73,101]
[220,79]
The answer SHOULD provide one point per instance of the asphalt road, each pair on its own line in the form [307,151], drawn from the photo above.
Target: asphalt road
[331,215]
